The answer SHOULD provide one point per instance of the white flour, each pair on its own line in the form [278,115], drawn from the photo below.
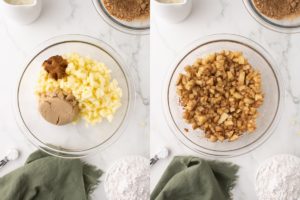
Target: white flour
[128,179]
[279,178]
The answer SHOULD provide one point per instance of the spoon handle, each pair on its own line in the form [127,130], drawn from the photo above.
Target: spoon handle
[153,160]
[3,162]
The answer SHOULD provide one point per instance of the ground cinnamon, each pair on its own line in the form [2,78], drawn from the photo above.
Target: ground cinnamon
[128,10]
[278,9]
[56,67]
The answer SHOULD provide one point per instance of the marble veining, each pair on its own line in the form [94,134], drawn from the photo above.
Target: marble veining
[224,16]
[73,17]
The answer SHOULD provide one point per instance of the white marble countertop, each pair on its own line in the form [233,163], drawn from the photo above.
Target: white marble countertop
[224,16]
[72,17]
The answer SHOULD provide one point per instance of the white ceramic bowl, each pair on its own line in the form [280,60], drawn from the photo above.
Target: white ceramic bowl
[22,14]
[172,12]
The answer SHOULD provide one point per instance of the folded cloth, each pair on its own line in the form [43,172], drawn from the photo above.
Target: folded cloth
[192,178]
[45,177]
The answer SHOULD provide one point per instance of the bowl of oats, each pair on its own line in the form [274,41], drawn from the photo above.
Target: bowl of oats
[74,96]
[223,96]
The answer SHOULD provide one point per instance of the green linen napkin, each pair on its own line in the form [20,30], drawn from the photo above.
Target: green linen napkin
[45,177]
[192,178]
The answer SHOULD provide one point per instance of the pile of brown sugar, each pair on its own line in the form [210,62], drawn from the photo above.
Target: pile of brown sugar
[128,10]
[278,9]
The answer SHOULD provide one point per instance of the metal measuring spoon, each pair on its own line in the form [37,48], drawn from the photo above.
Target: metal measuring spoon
[162,154]
[13,154]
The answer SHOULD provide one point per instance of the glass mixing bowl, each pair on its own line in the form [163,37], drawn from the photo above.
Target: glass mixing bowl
[136,27]
[72,140]
[268,113]
[283,26]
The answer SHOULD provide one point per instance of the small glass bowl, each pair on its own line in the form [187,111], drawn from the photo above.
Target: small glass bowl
[136,27]
[72,140]
[283,26]
[268,113]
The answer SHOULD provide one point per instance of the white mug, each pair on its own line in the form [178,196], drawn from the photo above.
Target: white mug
[21,13]
[173,12]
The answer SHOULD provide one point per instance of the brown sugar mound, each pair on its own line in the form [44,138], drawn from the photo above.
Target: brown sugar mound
[58,108]
[278,9]
[56,66]
[128,10]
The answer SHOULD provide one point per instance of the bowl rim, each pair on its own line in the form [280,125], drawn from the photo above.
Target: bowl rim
[66,153]
[202,42]
[267,23]
[117,25]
